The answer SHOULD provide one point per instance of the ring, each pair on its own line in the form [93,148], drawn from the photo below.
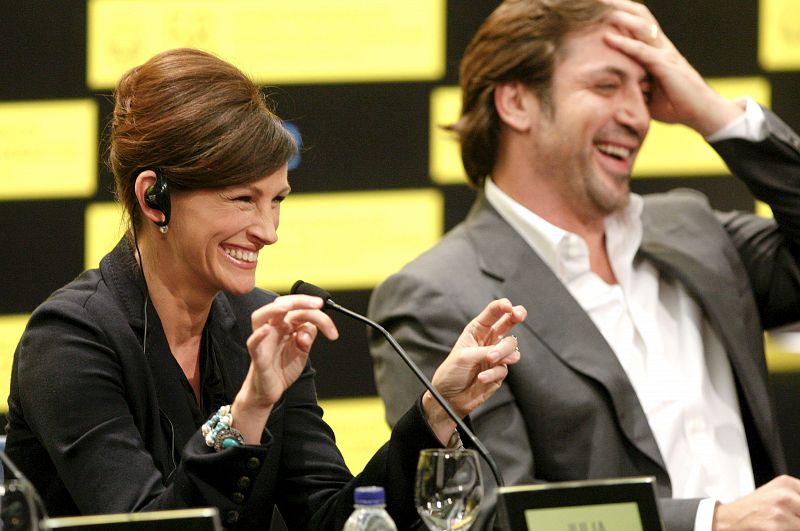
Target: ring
[653,32]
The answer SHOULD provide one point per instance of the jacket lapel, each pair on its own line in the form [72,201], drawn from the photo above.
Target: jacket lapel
[665,247]
[232,360]
[124,277]
[556,319]
[175,407]
[172,399]
[229,344]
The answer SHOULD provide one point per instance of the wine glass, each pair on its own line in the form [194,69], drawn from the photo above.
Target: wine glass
[448,488]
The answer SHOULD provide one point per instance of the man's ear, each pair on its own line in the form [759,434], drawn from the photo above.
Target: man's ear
[516,105]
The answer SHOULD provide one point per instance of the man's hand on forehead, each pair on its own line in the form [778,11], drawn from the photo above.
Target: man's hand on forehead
[678,93]
[634,20]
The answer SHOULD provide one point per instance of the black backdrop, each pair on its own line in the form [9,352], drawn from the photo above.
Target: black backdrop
[351,132]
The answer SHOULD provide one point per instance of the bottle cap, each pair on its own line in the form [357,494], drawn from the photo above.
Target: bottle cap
[370,496]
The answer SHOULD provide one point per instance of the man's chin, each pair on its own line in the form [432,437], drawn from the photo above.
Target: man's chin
[610,203]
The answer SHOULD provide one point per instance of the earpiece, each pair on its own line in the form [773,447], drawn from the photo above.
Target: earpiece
[157,198]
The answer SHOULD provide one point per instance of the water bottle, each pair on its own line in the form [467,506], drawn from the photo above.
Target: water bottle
[370,511]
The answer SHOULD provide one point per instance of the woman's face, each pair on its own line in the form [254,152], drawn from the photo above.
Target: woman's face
[216,234]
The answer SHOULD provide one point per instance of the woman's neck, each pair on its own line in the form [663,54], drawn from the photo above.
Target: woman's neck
[182,309]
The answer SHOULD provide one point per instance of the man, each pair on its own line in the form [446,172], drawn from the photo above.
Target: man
[642,353]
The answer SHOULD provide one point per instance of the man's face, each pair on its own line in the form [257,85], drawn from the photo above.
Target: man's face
[593,124]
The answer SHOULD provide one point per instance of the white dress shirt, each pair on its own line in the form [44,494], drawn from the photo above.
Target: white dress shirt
[670,353]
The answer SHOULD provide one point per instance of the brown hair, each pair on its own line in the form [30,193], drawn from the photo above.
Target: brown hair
[198,120]
[520,41]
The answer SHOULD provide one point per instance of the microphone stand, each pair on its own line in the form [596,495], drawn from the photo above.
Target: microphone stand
[422,378]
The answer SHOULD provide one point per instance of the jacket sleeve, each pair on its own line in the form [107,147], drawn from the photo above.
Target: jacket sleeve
[769,248]
[427,321]
[316,488]
[77,397]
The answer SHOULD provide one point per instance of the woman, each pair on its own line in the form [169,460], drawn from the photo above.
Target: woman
[122,381]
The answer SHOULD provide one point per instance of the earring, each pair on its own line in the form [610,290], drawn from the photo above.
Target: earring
[163,229]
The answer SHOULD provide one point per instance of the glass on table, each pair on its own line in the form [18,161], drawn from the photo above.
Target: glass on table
[448,488]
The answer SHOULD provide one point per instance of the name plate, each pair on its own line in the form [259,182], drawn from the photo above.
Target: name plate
[626,504]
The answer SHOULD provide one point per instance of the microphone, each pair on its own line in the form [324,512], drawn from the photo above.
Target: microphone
[304,288]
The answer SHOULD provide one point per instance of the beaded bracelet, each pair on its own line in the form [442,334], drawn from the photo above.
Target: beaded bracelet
[219,432]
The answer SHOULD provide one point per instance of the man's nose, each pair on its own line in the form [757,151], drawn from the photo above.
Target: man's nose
[634,113]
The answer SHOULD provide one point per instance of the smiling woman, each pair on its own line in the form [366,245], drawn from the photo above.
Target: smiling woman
[222,230]
[163,379]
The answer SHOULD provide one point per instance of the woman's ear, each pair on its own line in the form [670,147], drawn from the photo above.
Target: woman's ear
[516,105]
[143,186]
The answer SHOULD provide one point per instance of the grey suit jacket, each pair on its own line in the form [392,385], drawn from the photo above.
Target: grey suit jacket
[567,410]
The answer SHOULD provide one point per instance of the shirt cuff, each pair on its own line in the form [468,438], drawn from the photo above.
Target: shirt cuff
[752,125]
[704,518]
[455,442]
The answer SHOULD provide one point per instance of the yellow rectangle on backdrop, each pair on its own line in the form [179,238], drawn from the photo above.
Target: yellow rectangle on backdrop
[11,328]
[274,41]
[779,34]
[103,229]
[48,149]
[340,240]
[360,428]
[445,165]
[782,351]
[676,150]
[350,240]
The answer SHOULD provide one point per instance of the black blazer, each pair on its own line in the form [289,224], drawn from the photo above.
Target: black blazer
[101,423]
[567,410]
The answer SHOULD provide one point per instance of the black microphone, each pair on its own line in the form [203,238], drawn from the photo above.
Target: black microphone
[304,288]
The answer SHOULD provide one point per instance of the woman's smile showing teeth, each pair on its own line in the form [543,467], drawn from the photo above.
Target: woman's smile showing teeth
[242,255]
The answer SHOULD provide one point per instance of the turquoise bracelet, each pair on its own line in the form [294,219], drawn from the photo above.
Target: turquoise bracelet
[219,432]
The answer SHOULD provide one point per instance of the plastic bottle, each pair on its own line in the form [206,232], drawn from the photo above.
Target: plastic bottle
[370,511]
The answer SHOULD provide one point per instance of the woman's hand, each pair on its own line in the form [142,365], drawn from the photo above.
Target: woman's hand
[476,367]
[283,332]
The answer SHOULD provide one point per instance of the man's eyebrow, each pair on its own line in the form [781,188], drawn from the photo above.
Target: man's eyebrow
[608,69]
[618,72]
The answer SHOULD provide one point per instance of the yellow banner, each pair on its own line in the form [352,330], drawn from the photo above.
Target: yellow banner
[351,240]
[274,41]
[11,328]
[779,34]
[676,150]
[359,425]
[338,240]
[103,229]
[783,351]
[445,153]
[48,149]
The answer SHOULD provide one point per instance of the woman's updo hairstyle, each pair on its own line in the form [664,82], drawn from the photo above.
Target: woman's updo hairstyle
[198,120]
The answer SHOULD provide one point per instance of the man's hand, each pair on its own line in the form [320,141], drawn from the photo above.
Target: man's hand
[679,94]
[775,505]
